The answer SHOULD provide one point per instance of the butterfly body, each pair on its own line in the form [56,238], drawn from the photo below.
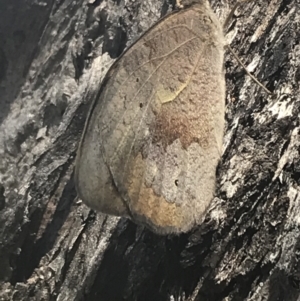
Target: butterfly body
[153,137]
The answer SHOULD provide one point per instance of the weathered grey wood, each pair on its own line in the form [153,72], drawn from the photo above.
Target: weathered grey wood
[53,56]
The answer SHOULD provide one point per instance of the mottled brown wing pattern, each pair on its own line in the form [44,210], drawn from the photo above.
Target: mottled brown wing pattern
[157,127]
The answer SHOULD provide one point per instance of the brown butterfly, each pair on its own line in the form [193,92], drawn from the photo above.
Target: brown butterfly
[154,134]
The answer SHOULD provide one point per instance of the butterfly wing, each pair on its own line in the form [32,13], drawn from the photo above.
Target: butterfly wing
[157,127]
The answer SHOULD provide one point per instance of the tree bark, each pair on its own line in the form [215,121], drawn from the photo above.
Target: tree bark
[53,56]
